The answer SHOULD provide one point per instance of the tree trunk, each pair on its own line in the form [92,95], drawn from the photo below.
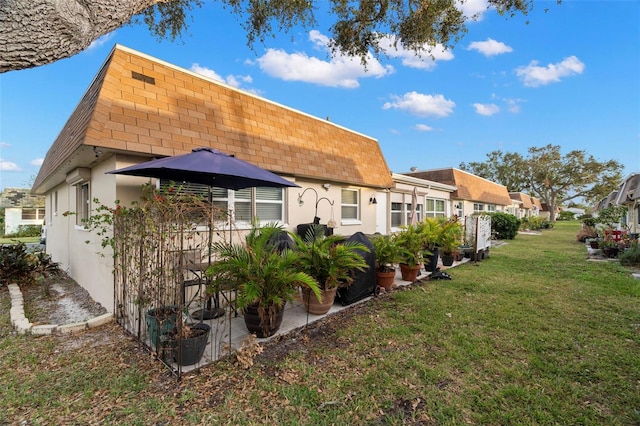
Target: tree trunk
[38,32]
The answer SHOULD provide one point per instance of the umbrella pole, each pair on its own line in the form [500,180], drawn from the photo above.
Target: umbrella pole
[210,312]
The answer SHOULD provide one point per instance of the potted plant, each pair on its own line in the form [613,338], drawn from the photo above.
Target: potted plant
[387,254]
[609,247]
[330,260]
[411,245]
[264,278]
[186,342]
[450,240]
[431,230]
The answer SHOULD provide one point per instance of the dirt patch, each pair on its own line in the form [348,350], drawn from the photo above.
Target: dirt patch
[59,300]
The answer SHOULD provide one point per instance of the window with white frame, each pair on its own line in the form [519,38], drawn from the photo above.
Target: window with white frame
[350,206]
[418,212]
[32,213]
[478,207]
[83,200]
[435,208]
[264,203]
[396,215]
[491,207]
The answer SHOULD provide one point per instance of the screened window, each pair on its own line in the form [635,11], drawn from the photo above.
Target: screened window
[435,207]
[350,206]
[29,214]
[477,207]
[491,207]
[269,204]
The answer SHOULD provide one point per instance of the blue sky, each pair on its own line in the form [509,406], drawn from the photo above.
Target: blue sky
[570,77]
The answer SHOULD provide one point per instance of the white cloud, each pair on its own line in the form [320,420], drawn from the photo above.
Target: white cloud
[423,128]
[422,105]
[101,41]
[513,104]
[339,71]
[533,75]
[8,166]
[490,47]
[426,60]
[4,145]
[486,109]
[231,80]
[37,162]
[473,8]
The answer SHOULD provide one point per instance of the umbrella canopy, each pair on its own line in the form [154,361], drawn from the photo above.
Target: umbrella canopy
[209,167]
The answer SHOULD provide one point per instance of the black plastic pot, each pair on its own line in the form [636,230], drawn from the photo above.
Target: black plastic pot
[431,262]
[189,351]
[261,328]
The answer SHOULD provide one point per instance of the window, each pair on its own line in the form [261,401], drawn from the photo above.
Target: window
[264,203]
[435,208]
[491,207]
[350,206]
[418,211]
[29,214]
[477,207]
[82,203]
[459,206]
[396,215]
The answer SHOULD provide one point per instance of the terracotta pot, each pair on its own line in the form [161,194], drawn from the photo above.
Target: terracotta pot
[385,279]
[262,327]
[409,273]
[316,307]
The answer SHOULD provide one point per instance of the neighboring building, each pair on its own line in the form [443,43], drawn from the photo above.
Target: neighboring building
[473,194]
[21,208]
[138,108]
[629,196]
[522,206]
[434,199]
[536,208]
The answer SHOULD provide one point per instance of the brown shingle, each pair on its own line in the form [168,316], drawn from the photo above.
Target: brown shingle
[470,187]
[184,110]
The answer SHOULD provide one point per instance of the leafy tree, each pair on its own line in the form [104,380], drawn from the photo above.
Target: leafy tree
[504,168]
[553,178]
[38,32]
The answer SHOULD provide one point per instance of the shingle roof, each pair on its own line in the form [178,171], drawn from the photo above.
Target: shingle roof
[536,202]
[139,104]
[522,198]
[470,187]
[629,190]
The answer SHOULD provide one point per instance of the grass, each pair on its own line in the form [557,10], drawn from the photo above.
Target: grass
[4,240]
[536,334]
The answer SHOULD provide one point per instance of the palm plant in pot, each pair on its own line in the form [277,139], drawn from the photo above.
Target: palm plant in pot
[330,260]
[411,245]
[264,278]
[388,254]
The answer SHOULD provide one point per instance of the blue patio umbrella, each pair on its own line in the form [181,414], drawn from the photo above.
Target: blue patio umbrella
[210,167]
[207,166]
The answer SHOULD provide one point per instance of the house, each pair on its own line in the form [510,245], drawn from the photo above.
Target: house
[138,107]
[21,208]
[394,204]
[629,196]
[522,205]
[473,194]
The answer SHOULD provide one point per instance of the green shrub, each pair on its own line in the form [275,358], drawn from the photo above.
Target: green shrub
[504,226]
[566,215]
[631,256]
[17,265]
[26,231]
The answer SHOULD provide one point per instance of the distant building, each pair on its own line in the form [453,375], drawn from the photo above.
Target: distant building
[21,208]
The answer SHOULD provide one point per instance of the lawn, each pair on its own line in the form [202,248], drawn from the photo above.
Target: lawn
[20,239]
[536,334]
